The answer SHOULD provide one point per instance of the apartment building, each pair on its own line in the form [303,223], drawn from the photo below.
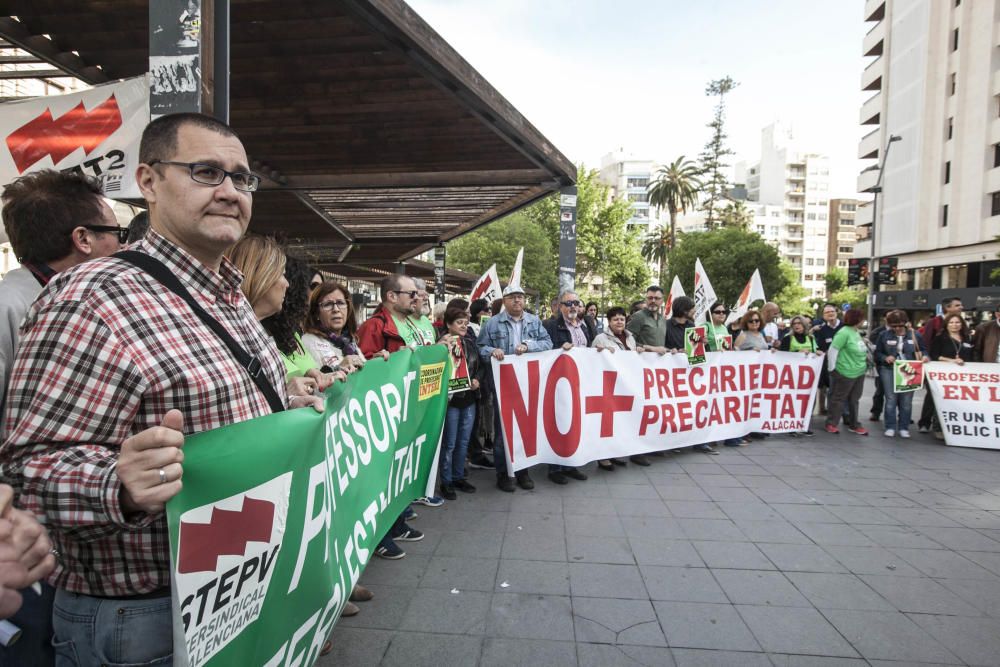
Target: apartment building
[843,232]
[935,82]
[788,191]
[629,177]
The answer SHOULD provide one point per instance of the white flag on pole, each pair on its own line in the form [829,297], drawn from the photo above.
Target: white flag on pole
[675,291]
[754,291]
[515,273]
[487,287]
[704,295]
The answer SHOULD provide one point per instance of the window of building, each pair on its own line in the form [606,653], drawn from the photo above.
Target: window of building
[637,182]
[823,202]
[846,222]
[951,127]
[954,83]
[760,229]
[996,155]
[820,262]
[810,216]
[995,203]
[775,214]
[809,261]
[944,215]
[954,40]
[845,250]
[842,263]
[947,172]
[774,231]
[638,197]
[822,216]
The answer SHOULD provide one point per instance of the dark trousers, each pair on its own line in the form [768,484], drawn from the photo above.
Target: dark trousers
[928,416]
[35,620]
[845,390]
[878,400]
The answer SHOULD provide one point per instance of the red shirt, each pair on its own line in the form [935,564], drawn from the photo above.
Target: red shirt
[105,352]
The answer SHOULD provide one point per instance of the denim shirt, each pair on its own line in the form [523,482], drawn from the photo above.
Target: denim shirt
[497,334]
[888,346]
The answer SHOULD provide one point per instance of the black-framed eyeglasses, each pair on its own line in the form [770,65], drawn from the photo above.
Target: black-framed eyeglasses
[120,232]
[410,293]
[208,174]
[333,305]
[572,303]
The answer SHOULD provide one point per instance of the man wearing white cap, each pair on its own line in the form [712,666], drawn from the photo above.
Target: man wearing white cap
[513,331]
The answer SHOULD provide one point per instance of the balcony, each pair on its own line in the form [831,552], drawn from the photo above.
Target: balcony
[863,216]
[871,110]
[874,10]
[795,236]
[797,192]
[870,145]
[873,41]
[871,78]
[995,84]
[796,176]
[992,180]
[795,219]
[793,251]
[867,179]
[994,136]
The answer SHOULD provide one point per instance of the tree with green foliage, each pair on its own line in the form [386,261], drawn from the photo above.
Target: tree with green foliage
[499,242]
[736,214]
[836,280]
[713,158]
[675,188]
[857,296]
[793,298]
[606,245]
[729,255]
[656,246]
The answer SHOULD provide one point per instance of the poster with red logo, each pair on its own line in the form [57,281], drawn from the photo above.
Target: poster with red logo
[95,132]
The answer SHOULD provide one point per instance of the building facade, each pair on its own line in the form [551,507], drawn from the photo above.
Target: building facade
[791,190]
[629,177]
[935,82]
[843,232]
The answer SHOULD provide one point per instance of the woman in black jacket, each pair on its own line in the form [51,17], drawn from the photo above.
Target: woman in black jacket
[461,413]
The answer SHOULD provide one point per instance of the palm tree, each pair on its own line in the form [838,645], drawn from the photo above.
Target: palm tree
[736,214]
[656,246]
[675,188]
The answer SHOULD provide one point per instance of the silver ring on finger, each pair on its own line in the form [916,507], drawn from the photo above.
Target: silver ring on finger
[163,476]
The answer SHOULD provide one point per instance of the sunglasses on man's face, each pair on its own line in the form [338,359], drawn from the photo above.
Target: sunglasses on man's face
[569,304]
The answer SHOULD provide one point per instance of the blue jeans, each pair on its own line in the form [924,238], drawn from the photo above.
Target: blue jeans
[104,631]
[457,431]
[903,402]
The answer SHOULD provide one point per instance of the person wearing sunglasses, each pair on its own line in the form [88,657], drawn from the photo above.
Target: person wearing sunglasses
[78,225]
[899,341]
[751,337]
[718,334]
[390,328]
[569,330]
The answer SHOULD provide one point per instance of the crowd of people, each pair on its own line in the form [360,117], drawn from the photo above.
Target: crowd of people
[109,359]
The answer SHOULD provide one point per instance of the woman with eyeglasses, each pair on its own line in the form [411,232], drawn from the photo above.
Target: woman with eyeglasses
[718,333]
[898,342]
[847,361]
[331,329]
[751,337]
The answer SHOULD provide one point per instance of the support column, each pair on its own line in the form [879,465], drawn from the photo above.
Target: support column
[567,238]
[439,266]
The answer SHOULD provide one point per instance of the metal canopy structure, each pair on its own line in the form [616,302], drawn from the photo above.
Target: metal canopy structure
[376,140]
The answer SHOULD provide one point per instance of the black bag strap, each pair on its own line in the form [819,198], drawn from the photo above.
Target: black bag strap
[250,363]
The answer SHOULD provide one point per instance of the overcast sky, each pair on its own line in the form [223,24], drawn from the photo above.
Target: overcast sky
[596,75]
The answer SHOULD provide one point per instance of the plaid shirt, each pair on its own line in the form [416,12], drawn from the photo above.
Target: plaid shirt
[105,352]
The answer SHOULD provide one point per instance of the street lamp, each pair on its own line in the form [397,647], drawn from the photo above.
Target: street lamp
[872,266]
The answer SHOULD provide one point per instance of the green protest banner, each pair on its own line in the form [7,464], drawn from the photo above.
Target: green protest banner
[279,515]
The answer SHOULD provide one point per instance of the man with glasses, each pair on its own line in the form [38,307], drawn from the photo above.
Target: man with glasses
[513,331]
[114,369]
[649,326]
[54,221]
[987,340]
[567,331]
[421,309]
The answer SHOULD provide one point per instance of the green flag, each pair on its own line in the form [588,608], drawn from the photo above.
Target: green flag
[279,515]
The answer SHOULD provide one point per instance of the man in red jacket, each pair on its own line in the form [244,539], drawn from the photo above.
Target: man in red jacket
[389,328]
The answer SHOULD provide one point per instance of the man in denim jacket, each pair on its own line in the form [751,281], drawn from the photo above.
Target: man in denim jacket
[513,331]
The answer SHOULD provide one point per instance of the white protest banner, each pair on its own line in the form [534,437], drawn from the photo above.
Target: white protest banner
[753,291]
[704,294]
[95,132]
[515,273]
[573,407]
[487,287]
[675,291]
[967,400]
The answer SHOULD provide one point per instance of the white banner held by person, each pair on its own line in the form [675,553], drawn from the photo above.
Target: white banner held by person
[704,295]
[515,273]
[573,407]
[94,131]
[967,400]
[752,292]
[676,290]
[487,287]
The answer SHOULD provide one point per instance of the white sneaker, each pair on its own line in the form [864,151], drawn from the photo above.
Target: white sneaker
[904,434]
[924,429]
[889,433]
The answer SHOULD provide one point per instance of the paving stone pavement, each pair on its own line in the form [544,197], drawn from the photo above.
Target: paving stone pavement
[831,550]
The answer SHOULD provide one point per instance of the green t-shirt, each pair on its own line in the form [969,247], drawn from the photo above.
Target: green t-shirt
[298,363]
[852,354]
[409,331]
[714,333]
[426,328]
